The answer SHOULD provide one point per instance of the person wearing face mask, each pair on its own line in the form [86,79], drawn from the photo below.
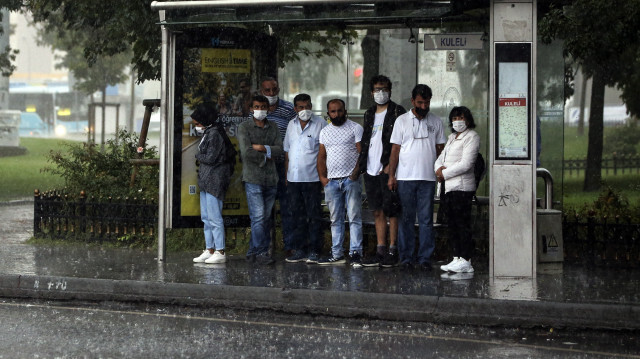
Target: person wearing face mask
[301,146]
[339,174]
[281,112]
[417,138]
[260,144]
[214,176]
[455,170]
[374,164]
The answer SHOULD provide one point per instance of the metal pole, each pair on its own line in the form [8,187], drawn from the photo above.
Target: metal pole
[163,142]
[169,5]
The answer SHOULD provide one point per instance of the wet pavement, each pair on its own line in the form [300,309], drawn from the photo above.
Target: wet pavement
[575,296]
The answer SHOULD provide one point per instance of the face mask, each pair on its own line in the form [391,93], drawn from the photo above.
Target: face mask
[199,130]
[422,113]
[272,100]
[381,97]
[305,115]
[339,121]
[260,114]
[459,126]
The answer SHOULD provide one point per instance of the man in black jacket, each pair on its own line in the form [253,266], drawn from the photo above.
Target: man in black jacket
[374,162]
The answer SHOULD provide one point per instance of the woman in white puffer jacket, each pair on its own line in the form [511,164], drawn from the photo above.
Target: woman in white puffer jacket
[455,168]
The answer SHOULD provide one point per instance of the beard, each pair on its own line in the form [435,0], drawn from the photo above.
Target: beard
[339,121]
[422,112]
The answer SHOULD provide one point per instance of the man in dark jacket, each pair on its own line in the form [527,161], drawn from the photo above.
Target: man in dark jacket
[374,162]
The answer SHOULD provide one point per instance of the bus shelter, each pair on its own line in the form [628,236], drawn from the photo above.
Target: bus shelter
[481,54]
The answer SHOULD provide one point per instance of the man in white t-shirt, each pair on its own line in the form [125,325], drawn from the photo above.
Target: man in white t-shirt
[417,138]
[378,124]
[338,172]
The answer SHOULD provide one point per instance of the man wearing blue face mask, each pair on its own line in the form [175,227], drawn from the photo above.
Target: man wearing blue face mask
[281,112]
[260,143]
[301,145]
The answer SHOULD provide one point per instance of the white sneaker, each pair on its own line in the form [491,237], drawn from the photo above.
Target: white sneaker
[461,266]
[203,257]
[445,267]
[216,258]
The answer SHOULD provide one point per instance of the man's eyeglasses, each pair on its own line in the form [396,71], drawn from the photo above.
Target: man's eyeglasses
[420,129]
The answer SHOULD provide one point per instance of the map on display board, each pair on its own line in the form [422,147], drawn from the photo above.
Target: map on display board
[513,110]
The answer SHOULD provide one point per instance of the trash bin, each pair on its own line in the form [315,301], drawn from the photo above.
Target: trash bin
[550,244]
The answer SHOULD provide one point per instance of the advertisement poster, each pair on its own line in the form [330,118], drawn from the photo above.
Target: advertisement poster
[513,111]
[221,76]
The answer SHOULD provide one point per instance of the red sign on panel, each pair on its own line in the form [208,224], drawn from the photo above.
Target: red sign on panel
[508,102]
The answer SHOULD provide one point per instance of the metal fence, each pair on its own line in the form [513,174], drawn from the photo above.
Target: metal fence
[58,215]
[601,242]
[617,164]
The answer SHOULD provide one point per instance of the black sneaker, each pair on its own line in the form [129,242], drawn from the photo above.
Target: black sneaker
[374,261]
[332,260]
[426,267]
[406,266]
[251,258]
[390,260]
[356,260]
[264,259]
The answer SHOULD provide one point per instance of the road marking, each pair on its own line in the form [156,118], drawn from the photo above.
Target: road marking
[316,327]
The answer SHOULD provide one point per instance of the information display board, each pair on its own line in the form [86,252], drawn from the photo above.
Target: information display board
[513,101]
[219,65]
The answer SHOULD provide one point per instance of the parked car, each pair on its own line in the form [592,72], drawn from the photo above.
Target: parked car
[32,125]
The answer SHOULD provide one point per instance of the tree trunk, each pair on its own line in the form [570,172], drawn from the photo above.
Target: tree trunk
[583,96]
[104,105]
[593,173]
[371,53]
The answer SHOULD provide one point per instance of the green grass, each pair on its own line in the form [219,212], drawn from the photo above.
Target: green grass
[21,175]
[628,185]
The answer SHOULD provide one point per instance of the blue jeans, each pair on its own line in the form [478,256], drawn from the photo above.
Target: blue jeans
[260,200]
[211,215]
[416,196]
[336,193]
[306,211]
[285,213]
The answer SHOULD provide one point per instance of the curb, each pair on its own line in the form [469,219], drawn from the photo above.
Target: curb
[394,307]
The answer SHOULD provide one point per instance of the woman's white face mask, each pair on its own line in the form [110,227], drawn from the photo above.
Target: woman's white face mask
[459,126]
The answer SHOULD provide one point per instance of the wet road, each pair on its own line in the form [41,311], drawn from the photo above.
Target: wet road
[30,329]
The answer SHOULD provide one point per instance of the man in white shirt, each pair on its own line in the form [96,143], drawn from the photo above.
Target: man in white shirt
[338,172]
[301,146]
[417,138]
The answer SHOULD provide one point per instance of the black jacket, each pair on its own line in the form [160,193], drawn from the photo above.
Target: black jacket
[393,111]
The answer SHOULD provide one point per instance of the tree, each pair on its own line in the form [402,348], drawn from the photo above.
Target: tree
[603,39]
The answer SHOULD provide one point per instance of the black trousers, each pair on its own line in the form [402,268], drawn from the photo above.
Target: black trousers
[458,208]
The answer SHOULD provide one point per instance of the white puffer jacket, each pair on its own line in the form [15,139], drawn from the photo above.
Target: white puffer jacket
[459,157]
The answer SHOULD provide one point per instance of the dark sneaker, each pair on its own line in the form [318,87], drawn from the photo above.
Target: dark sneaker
[390,260]
[298,256]
[313,258]
[250,258]
[374,261]
[406,266]
[264,259]
[356,260]
[426,267]
[332,260]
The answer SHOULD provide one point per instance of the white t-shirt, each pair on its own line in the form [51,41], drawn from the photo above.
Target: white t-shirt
[375,145]
[417,155]
[340,144]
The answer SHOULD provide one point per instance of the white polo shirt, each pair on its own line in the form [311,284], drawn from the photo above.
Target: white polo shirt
[417,140]
[302,148]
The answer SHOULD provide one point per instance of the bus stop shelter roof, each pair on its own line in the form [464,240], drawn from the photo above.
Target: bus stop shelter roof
[315,13]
